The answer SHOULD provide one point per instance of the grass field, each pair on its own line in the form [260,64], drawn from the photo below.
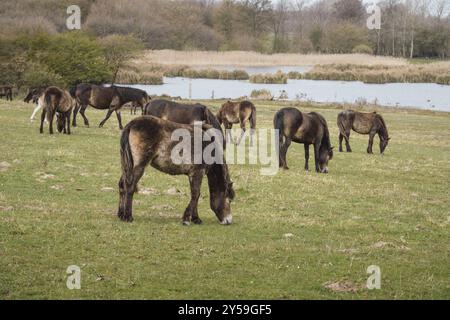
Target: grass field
[294,235]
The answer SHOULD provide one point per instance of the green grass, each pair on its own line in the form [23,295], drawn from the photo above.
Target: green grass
[401,199]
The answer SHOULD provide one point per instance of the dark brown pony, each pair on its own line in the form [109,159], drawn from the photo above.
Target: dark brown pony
[364,123]
[59,102]
[306,128]
[111,98]
[6,91]
[181,113]
[238,112]
[148,139]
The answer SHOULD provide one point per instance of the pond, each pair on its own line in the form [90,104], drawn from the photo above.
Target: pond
[417,95]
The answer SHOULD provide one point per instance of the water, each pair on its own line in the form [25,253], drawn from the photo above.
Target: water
[417,95]
[257,70]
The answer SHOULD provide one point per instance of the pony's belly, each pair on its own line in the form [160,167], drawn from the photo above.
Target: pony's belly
[232,118]
[359,128]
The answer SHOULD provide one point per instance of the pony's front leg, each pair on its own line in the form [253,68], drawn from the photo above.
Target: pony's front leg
[369,147]
[306,156]
[75,112]
[108,114]
[191,211]
[316,156]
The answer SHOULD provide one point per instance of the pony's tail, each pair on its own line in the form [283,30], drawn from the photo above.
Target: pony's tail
[278,125]
[126,157]
[253,118]
[341,127]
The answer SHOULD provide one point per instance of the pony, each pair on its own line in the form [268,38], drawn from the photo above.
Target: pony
[363,123]
[237,112]
[306,128]
[105,98]
[33,95]
[6,91]
[56,101]
[148,140]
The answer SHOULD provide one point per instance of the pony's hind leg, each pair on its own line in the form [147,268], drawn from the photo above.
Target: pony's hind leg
[306,156]
[283,153]
[347,141]
[130,189]
[119,118]
[191,212]
[82,112]
[41,128]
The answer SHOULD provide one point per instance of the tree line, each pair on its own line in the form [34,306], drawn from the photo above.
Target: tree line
[409,28]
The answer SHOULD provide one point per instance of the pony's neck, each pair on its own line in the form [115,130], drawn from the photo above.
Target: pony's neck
[382,132]
[216,178]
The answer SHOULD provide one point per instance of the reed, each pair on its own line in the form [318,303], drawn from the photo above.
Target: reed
[249,58]
[277,78]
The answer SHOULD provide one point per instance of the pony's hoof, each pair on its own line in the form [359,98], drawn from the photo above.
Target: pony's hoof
[197,221]
[186,223]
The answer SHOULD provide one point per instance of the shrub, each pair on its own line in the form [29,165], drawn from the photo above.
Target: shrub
[262,94]
[362,48]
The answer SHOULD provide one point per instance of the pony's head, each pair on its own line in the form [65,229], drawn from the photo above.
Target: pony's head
[383,144]
[221,193]
[325,155]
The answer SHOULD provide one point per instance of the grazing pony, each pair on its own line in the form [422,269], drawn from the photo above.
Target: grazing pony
[133,107]
[6,91]
[238,112]
[182,113]
[56,101]
[148,139]
[111,98]
[306,128]
[33,95]
[363,123]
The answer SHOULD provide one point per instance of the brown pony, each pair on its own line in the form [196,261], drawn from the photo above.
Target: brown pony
[148,139]
[238,112]
[306,128]
[6,91]
[111,98]
[56,101]
[364,123]
[182,113]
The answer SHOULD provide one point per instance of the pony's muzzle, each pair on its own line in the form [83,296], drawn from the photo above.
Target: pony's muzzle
[227,220]
[324,170]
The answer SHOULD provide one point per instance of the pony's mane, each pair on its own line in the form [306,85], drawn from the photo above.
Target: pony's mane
[326,137]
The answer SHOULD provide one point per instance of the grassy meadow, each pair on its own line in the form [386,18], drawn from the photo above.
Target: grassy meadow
[294,235]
